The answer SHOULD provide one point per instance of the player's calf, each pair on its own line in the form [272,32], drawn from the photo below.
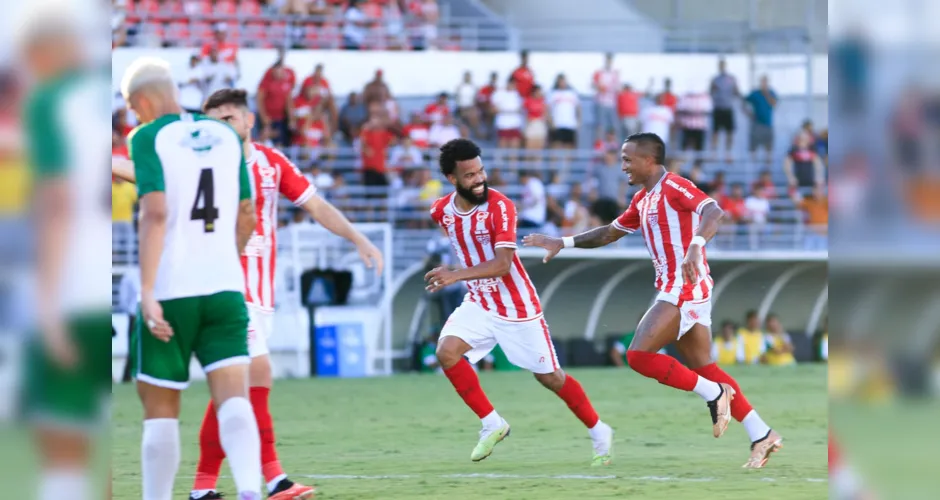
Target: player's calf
[238,430]
[570,391]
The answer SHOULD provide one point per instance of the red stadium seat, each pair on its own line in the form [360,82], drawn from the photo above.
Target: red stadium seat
[177,32]
[149,9]
[227,7]
[201,32]
[249,8]
[152,32]
[255,34]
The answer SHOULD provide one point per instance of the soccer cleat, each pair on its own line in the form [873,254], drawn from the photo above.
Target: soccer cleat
[762,448]
[288,490]
[212,495]
[720,409]
[603,447]
[488,440]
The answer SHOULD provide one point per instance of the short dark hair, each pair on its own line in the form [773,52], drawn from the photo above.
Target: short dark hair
[652,141]
[456,150]
[221,97]
[751,314]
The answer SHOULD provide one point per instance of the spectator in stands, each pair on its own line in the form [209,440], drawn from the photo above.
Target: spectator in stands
[657,119]
[802,166]
[565,108]
[351,117]
[724,94]
[693,111]
[218,73]
[317,78]
[303,106]
[765,183]
[761,103]
[733,205]
[437,110]
[374,140]
[507,107]
[757,210]
[444,131]
[576,213]
[428,16]
[392,109]
[193,86]
[806,128]
[376,89]
[728,348]
[606,143]
[123,201]
[822,146]
[418,131]
[779,351]
[536,129]
[355,26]
[609,179]
[605,83]
[466,95]
[628,110]
[317,136]
[815,209]
[279,62]
[697,176]
[274,105]
[666,97]
[603,212]
[718,187]
[753,338]
[533,209]
[618,349]
[319,178]
[227,51]
[485,106]
[523,76]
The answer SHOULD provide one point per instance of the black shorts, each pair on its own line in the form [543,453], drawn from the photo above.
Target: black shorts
[376,182]
[693,139]
[564,136]
[723,119]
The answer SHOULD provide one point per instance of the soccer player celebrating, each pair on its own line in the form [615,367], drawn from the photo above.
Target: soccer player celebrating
[501,307]
[196,217]
[271,173]
[677,219]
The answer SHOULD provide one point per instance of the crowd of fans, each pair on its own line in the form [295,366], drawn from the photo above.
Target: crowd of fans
[369,156]
[310,24]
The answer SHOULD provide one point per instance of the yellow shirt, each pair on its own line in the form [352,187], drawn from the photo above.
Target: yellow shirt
[754,344]
[727,352]
[14,187]
[778,359]
[123,197]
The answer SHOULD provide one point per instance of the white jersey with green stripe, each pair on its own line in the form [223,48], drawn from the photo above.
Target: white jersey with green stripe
[199,164]
[64,120]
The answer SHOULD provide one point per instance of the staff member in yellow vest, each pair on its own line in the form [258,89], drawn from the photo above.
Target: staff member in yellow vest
[728,348]
[779,346]
[753,338]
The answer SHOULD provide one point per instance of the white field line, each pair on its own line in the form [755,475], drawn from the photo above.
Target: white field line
[576,477]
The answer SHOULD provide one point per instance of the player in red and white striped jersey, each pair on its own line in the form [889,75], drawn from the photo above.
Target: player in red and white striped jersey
[501,306]
[676,219]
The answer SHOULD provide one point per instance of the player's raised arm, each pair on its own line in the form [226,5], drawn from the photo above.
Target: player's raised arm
[334,221]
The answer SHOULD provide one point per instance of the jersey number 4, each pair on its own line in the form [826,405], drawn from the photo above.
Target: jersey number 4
[205,193]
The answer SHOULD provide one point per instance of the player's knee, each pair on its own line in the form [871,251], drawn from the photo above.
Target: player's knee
[552,381]
[447,354]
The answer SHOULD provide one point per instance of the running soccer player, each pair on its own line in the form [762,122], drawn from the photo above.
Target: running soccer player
[196,218]
[271,172]
[677,219]
[66,389]
[501,307]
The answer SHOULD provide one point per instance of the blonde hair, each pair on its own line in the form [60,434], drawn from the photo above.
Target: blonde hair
[144,72]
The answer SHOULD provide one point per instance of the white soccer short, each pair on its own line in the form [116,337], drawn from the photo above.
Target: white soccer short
[692,311]
[260,325]
[527,344]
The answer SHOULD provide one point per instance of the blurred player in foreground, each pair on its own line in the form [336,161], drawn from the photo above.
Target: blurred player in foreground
[67,387]
[844,483]
[196,217]
[502,306]
[271,172]
[677,220]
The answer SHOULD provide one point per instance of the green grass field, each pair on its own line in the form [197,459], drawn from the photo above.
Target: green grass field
[410,436]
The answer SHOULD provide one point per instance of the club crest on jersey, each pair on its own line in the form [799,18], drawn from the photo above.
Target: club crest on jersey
[199,140]
[482,216]
[267,177]
[652,204]
[447,219]
[483,238]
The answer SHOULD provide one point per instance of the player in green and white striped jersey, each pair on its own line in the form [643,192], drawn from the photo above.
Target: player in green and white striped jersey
[196,217]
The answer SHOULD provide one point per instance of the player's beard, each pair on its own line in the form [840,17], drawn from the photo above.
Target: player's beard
[467,194]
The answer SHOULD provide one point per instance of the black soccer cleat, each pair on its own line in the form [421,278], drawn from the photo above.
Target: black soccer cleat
[212,495]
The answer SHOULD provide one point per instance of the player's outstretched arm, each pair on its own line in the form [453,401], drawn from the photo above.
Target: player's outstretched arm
[334,221]
[594,238]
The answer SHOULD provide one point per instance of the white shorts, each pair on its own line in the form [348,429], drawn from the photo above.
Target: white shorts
[260,325]
[527,344]
[692,312]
